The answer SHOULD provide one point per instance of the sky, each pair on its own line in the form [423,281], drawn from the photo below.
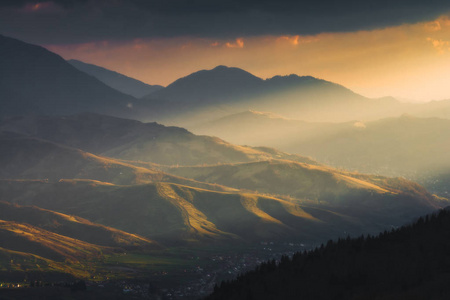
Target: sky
[376,48]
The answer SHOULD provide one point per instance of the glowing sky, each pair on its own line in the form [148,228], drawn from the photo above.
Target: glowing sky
[406,61]
[376,48]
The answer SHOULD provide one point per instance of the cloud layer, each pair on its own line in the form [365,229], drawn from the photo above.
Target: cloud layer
[69,21]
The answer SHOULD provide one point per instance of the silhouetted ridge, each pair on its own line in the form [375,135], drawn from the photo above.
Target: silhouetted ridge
[410,262]
[120,82]
[219,83]
[35,80]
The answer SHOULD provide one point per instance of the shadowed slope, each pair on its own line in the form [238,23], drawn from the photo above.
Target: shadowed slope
[117,81]
[26,238]
[35,80]
[72,227]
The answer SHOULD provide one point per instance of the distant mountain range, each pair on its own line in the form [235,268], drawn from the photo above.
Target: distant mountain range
[209,94]
[36,80]
[122,83]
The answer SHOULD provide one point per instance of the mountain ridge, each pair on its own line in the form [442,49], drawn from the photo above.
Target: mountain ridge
[209,94]
[53,86]
[116,80]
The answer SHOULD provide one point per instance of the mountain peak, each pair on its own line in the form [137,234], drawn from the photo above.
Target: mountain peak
[222,81]
[221,67]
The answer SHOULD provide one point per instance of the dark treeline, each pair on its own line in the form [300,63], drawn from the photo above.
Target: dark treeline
[412,262]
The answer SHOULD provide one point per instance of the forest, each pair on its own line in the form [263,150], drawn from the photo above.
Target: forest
[411,262]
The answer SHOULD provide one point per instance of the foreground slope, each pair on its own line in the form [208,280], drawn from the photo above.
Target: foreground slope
[35,80]
[39,244]
[133,140]
[72,227]
[408,263]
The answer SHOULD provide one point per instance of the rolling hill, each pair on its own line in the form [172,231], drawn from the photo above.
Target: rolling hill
[410,146]
[173,214]
[136,141]
[341,191]
[23,157]
[35,80]
[117,81]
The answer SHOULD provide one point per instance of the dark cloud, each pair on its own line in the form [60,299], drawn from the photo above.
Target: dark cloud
[68,21]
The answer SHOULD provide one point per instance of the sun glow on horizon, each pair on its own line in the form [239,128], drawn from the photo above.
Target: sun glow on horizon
[410,61]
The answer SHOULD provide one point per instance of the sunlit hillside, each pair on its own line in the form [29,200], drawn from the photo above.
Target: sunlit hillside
[153,149]
[173,213]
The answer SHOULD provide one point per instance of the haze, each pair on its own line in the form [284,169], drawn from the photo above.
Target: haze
[152,149]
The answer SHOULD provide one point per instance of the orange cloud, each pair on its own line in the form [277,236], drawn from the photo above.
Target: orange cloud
[239,43]
[41,7]
[297,39]
[440,45]
[290,39]
[433,26]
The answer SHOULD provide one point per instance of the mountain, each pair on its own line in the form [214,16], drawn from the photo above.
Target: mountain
[35,80]
[117,81]
[136,141]
[407,263]
[209,94]
[209,86]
